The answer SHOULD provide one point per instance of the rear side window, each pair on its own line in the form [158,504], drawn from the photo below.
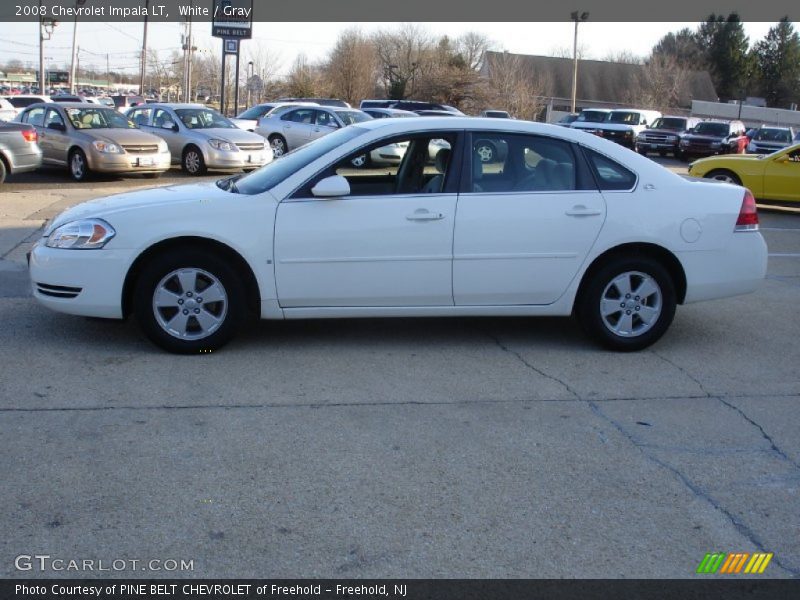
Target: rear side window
[610,174]
[35,116]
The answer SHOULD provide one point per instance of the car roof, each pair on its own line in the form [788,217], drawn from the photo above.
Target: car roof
[173,105]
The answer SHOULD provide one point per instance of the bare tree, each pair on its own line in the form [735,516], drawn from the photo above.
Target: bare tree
[515,88]
[403,54]
[566,52]
[352,66]
[472,46]
[266,65]
[623,56]
[661,83]
[304,79]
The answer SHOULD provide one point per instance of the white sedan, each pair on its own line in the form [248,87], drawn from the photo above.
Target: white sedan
[560,223]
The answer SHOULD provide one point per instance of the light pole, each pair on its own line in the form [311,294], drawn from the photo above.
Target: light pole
[46,26]
[578,17]
[249,81]
[72,85]
[143,67]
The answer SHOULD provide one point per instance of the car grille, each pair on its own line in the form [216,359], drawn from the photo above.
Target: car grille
[140,148]
[58,291]
[251,147]
[656,138]
[767,149]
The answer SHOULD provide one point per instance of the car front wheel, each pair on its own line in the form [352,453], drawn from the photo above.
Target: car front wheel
[78,165]
[278,145]
[628,304]
[193,162]
[189,301]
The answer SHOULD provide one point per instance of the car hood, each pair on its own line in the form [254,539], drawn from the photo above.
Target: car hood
[106,207]
[236,136]
[121,136]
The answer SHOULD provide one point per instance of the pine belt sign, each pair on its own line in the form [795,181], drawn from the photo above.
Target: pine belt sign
[232,19]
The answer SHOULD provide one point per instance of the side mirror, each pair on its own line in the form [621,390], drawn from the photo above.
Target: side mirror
[331,187]
[57,126]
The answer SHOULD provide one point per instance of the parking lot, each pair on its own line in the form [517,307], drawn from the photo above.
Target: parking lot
[418,448]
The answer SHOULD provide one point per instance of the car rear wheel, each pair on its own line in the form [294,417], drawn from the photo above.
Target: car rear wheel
[628,304]
[724,175]
[189,301]
[3,171]
[278,145]
[193,162]
[78,166]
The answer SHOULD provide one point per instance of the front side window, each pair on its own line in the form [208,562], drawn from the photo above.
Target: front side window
[162,118]
[610,174]
[52,117]
[507,162]
[326,119]
[410,164]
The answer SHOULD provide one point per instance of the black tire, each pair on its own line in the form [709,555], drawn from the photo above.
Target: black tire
[192,161]
[662,153]
[78,165]
[229,313]
[278,144]
[724,175]
[600,289]
[3,171]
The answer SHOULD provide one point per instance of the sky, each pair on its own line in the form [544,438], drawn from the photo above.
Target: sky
[122,41]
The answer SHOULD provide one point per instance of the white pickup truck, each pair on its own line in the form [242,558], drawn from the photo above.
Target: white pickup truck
[621,125]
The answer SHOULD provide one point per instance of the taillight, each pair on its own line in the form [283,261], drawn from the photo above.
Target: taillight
[30,135]
[748,214]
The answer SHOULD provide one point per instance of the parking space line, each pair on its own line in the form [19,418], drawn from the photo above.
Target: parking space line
[784,255]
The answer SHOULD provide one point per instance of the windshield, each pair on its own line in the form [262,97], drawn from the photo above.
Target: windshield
[592,116]
[631,118]
[98,118]
[718,129]
[270,175]
[773,135]
[349,117]
[203,118]
[670,123]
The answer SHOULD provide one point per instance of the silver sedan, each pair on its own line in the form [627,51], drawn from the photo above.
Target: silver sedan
[200,138]
[294,127]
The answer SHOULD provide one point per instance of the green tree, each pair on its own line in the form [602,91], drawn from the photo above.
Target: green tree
[726,49]
[683,48]
[777,58]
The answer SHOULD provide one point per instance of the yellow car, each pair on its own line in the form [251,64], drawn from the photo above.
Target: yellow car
[773,176]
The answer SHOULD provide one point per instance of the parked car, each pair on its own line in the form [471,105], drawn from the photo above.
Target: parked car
[68,98]
[436,113]
[714,137]
[20,102]
[87,138]
[567,120]
[385,113]
[335,102]
[496,114]
[623,125]
[7,110]
[297,126]
[124,102]
[773,176]
[571,224]
[412,105]
[19,150]
[664,135]
[200,138]
[248,119]
[589,119]
[766,140]
[102,100]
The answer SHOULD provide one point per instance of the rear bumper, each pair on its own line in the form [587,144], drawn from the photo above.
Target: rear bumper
[25,162]
[736,269]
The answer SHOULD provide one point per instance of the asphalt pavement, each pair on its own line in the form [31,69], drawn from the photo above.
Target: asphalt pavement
[398,448]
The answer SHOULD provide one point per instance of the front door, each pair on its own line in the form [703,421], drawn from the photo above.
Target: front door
[297,125]
[388,243]
[525,221]
[782,177]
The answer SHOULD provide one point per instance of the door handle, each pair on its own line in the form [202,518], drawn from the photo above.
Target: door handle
[423,215]
[580,210]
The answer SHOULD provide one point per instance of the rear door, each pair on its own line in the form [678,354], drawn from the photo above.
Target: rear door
[528,214]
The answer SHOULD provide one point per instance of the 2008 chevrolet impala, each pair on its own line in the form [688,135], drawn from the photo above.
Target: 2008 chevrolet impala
[554,222]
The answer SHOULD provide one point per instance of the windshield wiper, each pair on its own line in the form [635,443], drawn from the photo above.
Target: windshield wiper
[228,184]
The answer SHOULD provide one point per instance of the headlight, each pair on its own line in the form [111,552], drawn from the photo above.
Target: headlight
[223,145]
[86,234]
[107,147]
[672,138]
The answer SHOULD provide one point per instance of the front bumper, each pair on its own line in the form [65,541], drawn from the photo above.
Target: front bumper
[129,163]
[79,282]
[658,146]
[233,161]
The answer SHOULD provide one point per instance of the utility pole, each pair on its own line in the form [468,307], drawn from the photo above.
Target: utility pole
[108,73]
[577,17]
[46,26]
[72,82]
[143,69]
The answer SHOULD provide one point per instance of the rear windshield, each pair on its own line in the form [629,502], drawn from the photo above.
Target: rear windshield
[352,116]
[256,112]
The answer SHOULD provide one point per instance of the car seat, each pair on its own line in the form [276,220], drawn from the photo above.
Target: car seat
[435,185]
